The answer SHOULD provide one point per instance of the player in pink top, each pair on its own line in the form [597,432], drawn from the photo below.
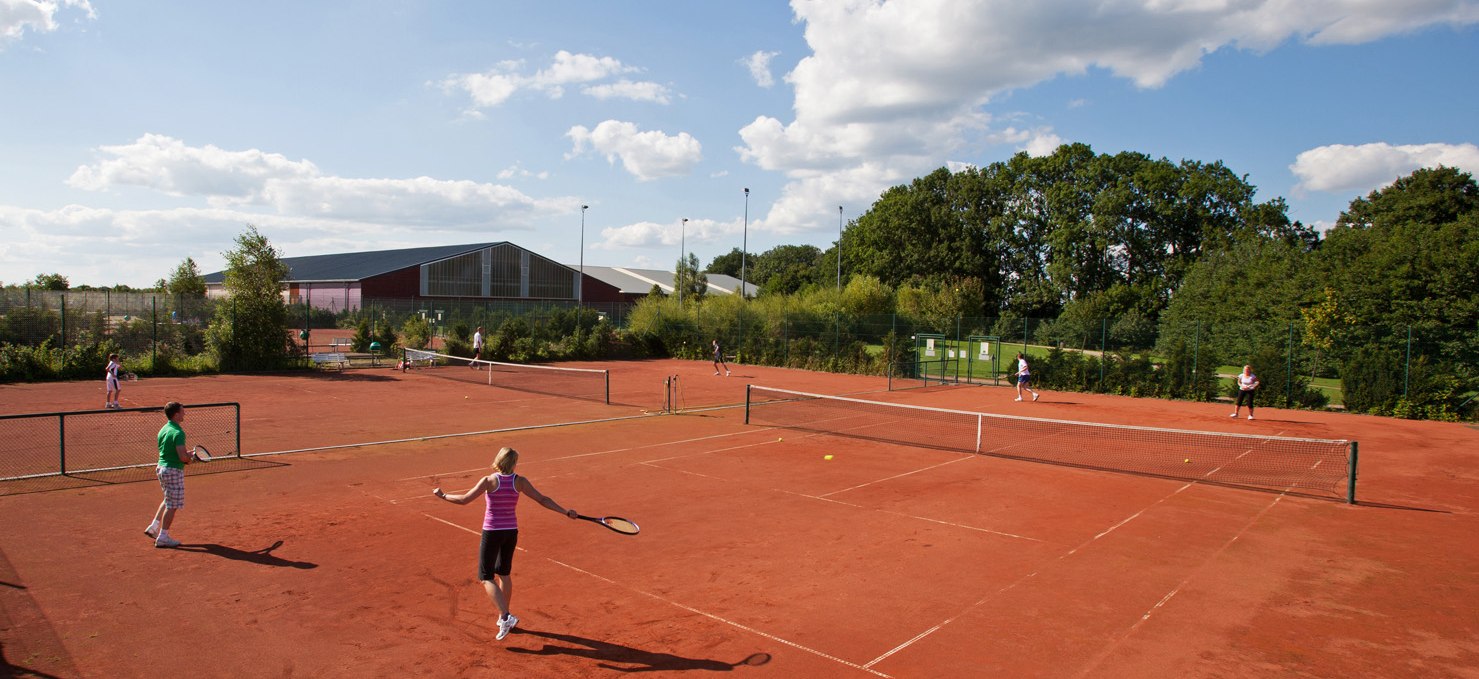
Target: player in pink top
[501,529]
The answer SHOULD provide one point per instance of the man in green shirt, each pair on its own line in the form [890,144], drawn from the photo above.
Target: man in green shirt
[171,472]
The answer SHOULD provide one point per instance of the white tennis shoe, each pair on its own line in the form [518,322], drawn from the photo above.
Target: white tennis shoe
[165,540]
[507,624]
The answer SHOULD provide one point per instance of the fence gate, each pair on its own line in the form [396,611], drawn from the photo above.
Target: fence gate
[983,359]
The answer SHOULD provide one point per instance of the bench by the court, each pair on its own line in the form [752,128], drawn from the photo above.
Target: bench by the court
[330,359]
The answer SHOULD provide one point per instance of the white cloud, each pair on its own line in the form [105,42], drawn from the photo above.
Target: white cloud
[257,179]
[516,172]
[675,234]
[902,85]
[506,78]
[37,16]
[169,166]
[626,89]
[759,66]
[1345,168]
[646,155]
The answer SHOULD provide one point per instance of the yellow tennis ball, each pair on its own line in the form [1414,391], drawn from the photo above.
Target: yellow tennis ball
[826,457]
[1187,460]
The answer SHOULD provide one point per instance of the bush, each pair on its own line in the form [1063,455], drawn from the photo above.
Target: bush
[1372,380]
[418,332]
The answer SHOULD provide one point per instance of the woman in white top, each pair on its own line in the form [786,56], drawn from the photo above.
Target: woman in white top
[110,379]
[1247,384]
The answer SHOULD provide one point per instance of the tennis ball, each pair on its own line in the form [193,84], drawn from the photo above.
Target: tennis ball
[1187,460]
[826,457]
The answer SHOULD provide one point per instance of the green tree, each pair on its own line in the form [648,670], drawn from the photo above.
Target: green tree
[690,280]
[186,280]
[728,264]
[1240,299]
[785,269]
[51,281]
[250,330]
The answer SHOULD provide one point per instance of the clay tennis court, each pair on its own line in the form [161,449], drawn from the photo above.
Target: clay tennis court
[757,556]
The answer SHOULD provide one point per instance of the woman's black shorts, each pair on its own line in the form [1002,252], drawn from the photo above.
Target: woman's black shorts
[497,553]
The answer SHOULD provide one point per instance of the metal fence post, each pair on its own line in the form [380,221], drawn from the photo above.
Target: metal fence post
[154,334]
[1103,335]
[1407,369]
[1289,369]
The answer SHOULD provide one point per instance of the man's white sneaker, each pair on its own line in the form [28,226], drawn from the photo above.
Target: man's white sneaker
[166,541]
[726,373]
[1018,398]
[506,624]
[1233,415]
[1034,397]
[1250,417]
[151,532]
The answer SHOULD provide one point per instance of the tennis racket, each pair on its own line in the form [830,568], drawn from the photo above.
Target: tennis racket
[201,454]
[615,523]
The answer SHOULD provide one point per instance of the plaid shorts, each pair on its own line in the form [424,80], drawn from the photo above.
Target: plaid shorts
[173,482]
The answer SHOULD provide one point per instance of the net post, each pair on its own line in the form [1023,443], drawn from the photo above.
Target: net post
[237,406]
[747,403]
[1350,492]
[62,443]
[607,374]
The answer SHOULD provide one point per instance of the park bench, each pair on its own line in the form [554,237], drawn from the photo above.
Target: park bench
[328,359]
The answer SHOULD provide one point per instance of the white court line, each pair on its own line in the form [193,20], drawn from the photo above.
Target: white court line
[905,515]
[599,452]
[1024,578]
[897,476]
[690,609]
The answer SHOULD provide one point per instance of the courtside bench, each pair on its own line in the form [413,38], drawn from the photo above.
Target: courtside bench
[330,359]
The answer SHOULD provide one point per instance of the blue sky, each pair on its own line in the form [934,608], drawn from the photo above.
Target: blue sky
[134,135]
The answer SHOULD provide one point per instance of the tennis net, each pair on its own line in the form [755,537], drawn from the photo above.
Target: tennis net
[582,383]
[1312,466]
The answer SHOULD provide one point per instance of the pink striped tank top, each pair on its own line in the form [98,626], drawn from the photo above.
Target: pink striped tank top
[501,503]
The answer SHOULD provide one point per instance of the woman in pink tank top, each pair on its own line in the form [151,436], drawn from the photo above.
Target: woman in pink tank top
[501,529]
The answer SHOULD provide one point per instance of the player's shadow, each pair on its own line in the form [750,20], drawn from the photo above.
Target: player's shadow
[262,556]
[633,659]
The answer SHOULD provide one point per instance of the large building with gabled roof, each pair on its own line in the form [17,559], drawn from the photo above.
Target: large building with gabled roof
[473,272]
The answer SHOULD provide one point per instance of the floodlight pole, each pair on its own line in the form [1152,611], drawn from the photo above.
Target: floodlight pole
[580,284]
[682,259]
[745,246]
[839,248]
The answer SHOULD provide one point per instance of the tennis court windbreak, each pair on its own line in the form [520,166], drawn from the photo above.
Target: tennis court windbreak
[583,383]
[36,445]
[1313,466]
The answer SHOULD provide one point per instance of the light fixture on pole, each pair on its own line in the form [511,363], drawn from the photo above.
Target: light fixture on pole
[682,259]
[745,247]
[839,248]
[580,285]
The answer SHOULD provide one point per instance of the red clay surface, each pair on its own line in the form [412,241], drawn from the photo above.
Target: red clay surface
[756,556]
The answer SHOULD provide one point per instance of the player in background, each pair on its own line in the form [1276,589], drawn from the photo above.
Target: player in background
[110,379]
[477,347]
[719,359]
[1247,385]
[1024,377]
